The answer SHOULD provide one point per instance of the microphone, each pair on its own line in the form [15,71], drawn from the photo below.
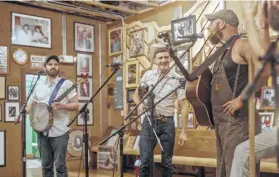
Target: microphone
[115,64]
[192,36]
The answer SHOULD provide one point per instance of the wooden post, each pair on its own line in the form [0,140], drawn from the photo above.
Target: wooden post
[251,125]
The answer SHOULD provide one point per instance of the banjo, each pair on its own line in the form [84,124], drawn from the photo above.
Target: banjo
[41,115]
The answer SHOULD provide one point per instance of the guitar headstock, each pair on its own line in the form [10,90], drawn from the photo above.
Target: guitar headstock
[83,79]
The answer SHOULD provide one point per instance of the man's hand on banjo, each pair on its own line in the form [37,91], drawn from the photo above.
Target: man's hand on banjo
[57,106]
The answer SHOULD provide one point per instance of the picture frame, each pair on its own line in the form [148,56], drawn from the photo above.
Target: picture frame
[4,64]
[181,28]
[267,97]
[137,43]
[191,120]
[80,119]
[13,93]
[116,59]
[130,94]
[107,157]
[11,111]
[29,30]
[115,41]
[2,148]
[132,76]
[84,64]
[37,62]
[84,35]
[2,87]
[267,119]
[85,90]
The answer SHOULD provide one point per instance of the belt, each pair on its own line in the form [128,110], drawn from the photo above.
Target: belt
[162,118]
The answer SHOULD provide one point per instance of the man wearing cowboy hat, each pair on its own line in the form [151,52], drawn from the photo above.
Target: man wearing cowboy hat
[163,121]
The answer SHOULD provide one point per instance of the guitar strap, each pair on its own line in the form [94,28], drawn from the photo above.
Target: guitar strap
[55,91]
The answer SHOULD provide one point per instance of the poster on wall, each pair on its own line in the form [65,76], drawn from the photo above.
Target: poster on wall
[31,30]
[2,88]
[118,90]
[84,90]
[107,158]
[115,41]
[37,62]
[11,110]
[132,79]
[137,43]
[84,37]
[2,148]
[3,60]
[84,64]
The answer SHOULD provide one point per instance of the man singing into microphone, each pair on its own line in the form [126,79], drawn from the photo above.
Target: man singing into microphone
[230,77]
[163,122]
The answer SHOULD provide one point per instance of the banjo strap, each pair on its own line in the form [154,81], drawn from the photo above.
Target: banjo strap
[55,91]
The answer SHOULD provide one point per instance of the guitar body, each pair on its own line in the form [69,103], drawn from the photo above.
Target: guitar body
[198,93]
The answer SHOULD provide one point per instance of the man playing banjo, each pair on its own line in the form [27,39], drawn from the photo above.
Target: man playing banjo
[53,139]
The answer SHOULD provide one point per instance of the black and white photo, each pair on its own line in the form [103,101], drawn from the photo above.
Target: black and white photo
[183,27]
[31,30]
[11,110]
[4,60]
[268,98]
[13,93]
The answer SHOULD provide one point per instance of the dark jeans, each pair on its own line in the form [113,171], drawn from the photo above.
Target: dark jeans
[166,134]
[53,150]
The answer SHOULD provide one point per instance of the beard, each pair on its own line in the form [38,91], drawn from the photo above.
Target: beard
[215,38]
[273,18]
[52,72]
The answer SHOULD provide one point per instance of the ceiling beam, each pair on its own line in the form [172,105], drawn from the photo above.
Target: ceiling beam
[71,9]
[121,9]
[149,4]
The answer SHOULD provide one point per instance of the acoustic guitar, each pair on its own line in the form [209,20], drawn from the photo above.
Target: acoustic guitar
[198,92]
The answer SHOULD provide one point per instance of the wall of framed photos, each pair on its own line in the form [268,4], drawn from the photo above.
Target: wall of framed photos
[13,71]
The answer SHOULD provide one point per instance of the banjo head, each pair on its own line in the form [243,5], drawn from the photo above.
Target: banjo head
[40,117]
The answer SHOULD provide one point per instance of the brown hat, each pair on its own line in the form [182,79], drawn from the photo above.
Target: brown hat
[225,14]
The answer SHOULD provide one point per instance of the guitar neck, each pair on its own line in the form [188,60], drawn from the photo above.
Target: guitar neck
[61,97]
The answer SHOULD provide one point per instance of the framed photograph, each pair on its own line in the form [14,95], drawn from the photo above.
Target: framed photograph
[182,28]
[85,90]
[115,41]
[4,64]
[31,30]
[267,120]
[116,59]
[137,43]
[132,69]
[89,118]
[2,148]
[268,98]
[130,94]
[84,37]
[84,64]
[37,62]
[107,158]
[11,111]
[2,88]
[13,93]
[131,106]
[191,120]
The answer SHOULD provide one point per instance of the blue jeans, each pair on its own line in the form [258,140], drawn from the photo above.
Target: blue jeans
[53,151]
[166,134]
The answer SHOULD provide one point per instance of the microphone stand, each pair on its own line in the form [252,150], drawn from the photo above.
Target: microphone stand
[85,112]
[122,128]
[23,127]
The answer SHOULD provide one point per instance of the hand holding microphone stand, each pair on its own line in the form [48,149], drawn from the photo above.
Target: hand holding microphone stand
[23,125]
[84,110]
